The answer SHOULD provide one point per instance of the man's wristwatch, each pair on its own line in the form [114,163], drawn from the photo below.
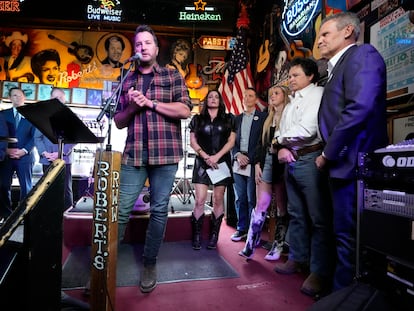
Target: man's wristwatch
[154,105]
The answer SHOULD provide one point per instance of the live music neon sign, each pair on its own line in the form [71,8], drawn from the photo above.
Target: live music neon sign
[104,10]
[297,15]
[199,12]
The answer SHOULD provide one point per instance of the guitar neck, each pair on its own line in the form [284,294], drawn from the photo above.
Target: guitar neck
[61,42]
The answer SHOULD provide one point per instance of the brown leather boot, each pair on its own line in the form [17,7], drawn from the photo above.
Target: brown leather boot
[313,285]
[288,267]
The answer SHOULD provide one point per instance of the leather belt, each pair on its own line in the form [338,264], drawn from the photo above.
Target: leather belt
[308,149]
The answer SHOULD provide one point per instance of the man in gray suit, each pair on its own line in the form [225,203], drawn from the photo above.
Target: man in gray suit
[48,152]
[352,119]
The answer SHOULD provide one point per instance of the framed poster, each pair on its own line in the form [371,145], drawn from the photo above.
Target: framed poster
[68,94]
[29,90]
[7,85]
[94,98]
[78,96]
[43,91]
[402,127]
[392,37]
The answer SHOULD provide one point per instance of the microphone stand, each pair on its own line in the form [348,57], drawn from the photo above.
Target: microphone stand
[103,293]
[109,108]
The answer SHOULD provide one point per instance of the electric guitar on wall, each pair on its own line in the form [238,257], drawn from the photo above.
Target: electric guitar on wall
[83,53]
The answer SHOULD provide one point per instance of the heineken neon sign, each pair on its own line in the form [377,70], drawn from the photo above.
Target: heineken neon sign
[297,15]
[199,12]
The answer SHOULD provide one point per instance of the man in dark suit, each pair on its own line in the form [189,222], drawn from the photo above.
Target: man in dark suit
[249,126]
[20,155]
[352,119]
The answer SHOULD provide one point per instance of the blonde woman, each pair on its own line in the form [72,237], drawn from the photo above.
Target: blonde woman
[269,180]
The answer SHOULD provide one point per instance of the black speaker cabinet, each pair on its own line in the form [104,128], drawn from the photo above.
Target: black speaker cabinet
[33,278]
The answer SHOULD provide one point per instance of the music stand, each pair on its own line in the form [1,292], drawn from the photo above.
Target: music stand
[58,123]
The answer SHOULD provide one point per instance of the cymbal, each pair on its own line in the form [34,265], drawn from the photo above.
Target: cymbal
[8,139]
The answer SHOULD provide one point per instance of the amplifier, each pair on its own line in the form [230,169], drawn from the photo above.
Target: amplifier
[386,226]
[390,202]
[392,170]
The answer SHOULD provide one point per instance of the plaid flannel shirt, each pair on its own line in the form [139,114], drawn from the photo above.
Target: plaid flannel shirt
[164,134]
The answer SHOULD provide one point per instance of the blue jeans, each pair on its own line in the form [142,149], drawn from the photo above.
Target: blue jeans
[161,179]
[245,199]
[310,210]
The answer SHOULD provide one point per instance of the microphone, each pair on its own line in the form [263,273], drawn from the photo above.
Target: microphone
[136,57]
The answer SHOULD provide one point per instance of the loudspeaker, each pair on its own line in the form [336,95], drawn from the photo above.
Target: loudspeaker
[356,297]
[407,5]
[35,275]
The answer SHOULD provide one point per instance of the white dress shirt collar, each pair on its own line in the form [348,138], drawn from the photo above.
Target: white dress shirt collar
[332,62]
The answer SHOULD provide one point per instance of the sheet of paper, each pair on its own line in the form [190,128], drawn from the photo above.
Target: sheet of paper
[219,174]
[245,171]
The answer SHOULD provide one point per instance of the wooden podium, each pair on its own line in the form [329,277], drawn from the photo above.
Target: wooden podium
[105,230]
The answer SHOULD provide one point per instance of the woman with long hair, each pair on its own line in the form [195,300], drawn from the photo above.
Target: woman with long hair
[212,136]
[269,180]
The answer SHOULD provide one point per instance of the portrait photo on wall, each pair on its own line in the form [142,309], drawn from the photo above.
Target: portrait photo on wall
[7,85]
[29,90]
[94,98]
[78,96]
[68,95]
[43,91]
[113,49]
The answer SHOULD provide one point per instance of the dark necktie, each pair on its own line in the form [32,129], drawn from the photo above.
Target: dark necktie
[17,119]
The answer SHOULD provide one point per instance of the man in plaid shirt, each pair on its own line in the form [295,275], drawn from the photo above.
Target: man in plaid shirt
[154,100]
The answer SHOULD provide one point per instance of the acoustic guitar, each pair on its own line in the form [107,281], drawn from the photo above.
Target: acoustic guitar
[83,53]
[196,86]
[264,52]
[294,48]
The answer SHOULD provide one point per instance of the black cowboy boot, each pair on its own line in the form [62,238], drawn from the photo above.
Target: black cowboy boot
[214,230]
[196,225]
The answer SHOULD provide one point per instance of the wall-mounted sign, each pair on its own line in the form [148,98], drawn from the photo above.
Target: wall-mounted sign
[104,10]
[216,42]
[10,6]
[392,36]
[199,11]
[297,15]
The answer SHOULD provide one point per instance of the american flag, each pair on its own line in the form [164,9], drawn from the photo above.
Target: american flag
[238,75]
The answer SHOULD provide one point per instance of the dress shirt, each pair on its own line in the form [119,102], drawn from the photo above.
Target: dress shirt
[332,62]
[299,122]
[245,130]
